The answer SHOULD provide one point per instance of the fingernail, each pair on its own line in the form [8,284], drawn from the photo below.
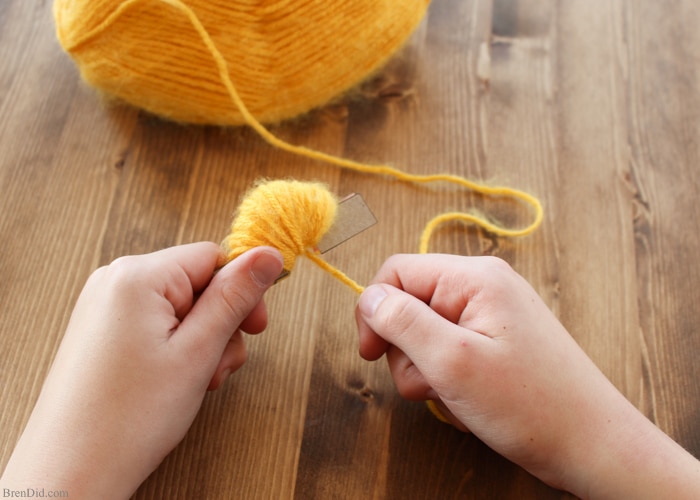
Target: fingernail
[266,268]
[370,300]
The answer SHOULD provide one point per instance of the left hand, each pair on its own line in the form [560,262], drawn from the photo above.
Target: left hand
[148,336]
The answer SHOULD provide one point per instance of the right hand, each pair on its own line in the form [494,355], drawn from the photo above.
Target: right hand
[472,335]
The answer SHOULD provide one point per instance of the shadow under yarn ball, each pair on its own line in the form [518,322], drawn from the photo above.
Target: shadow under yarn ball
[283,57]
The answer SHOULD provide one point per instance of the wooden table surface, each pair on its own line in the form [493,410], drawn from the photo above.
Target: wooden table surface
[594,106]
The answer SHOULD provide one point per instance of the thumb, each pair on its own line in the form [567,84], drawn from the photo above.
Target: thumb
[427,338]
[232,295]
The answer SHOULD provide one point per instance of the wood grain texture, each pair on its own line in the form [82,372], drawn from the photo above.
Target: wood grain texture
[592,105]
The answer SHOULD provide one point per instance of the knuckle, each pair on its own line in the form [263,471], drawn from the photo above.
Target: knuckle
[497,264]
[492,276]
[123,272]
[395,260]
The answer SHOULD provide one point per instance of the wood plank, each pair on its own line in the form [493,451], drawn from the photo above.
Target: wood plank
[662,114]
[598,214]
[592,106]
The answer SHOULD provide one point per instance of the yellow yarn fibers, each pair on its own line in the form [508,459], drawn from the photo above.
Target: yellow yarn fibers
[291,216]
[493,191]
[287,56]
[112,28]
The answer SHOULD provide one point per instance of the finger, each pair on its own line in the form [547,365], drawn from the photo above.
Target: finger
[184,271]
[372,346]
[256,321]
[408,379]
[427,338]
[230,298]
[176,273]
[417,274]
[446,282]
[207,254]
[233,357]
[197,260]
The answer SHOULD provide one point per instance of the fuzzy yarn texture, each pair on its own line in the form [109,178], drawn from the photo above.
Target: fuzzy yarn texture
[289,215]
[285,57]
[104,15]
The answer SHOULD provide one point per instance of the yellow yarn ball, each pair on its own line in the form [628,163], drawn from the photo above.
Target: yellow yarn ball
[285,57]
[291,216]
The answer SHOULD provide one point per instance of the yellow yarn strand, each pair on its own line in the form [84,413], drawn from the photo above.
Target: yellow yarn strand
[270,138]
[333,271]
[385,170]
[497,191]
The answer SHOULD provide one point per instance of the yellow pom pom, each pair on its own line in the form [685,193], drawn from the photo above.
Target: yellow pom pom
[284,57]
[291,216]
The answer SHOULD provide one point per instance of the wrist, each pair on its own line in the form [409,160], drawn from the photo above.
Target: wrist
[70,478]
[50,459]
[629,457]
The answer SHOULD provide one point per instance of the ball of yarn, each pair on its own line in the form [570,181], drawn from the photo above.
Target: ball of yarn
[291,216]
[284,57]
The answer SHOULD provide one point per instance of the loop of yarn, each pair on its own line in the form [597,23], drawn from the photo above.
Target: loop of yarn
[290,55]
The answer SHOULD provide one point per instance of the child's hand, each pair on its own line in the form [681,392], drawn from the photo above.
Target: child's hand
[471,334]
[148,336]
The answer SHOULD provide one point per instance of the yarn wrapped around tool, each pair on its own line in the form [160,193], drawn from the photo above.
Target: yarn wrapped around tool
[286,57]
[289,215]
